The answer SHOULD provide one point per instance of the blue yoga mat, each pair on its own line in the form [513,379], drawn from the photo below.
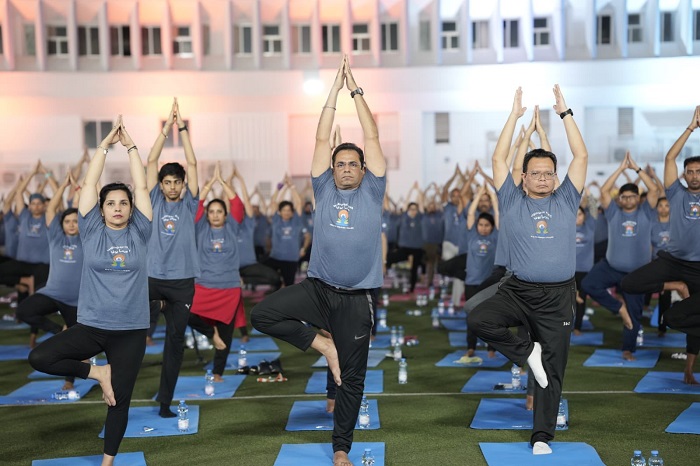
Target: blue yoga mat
[655,317]
[646,359]
[41,375]
[506,413]
[459,340]
[455,325]
[666,382]
[156,347]
[39,392]
[374,357]
[14,352]
[449,360]
[253,360]
[670,340]
[587,339]
[122,459]
[381,341]
[145,422]
[587,325]
[159,332]
[321,454]
[374,382]
[312,415]
[192,387]
[520,453]
[255,344]
[12,325]
[459,314]
[485,381]
[256,332]
[687,422]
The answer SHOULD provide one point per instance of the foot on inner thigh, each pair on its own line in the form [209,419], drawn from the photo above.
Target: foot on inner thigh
[340,458]
[326,347]
[529,402]
[330,405]
[535,363]
[541,448]
[628,356]
[218,342]
[103,374]
[626,319]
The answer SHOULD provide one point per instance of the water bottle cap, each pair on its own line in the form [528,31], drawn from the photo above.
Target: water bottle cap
[637,452]
[654,452]
[403,359]
[368,450]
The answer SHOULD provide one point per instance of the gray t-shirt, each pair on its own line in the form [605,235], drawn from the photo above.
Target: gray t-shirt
[286,238]
[451,222]
[33,240]
[685,223]
[262,230]
[114,285]
[246,248]
[172,253]
[218,254]
[411,231]
[660,235]
[11,234]
[433,228]
[541,232]
[584,244]
[629,237]
[66,268]
[480,254]
[347,250]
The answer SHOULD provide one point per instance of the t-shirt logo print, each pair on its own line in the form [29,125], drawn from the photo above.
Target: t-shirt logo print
[67,254]
[217,246]
[694,211]
[541,227]
[169,227]
[483,247]
[629,228]
[118,261]
[343,218]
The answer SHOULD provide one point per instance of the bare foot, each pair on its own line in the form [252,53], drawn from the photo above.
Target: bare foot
[661,333]
[689,378]
[340,458]
[103,374]
[149,341]
[218,378]
[578,333]
[32,340]
[326,347]
[492,354]
[330,405]
[579,300]
[218,342]
[107,460]
[529,402]
[628,356]
[68,386]
[626,319]
[470,353]
[245,338]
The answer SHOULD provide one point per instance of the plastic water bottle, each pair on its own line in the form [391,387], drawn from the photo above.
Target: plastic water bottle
[562,422]
[655,459]
[403,371]
[367,458]
[640,337]
[431,293]
[400,336]
[242,357]
[394,336]
[209,383]
[515,377]
[451,309]
[638,459]
[385,299]
[363,420]
[183,419]
[436,319]
[71,395]
[93,361]
[381,313]
[441,307]
[397,351]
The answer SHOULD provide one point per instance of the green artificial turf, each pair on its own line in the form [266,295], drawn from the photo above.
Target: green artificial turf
[425,422]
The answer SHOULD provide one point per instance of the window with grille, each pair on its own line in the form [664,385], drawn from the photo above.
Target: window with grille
[302,38]
[604,30]
[330,38]
[88,40]
[57,40]
[480,34]
[243,39]
[634,28]
[150,41]
[182,41]
[120,40]
[510,33]
[95,131]
[667,30]
[390,37]
[442,128]
[541,32]
[360,38]
[450,35]
[271,40]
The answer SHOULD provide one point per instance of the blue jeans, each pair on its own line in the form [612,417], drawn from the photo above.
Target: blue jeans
[601,277]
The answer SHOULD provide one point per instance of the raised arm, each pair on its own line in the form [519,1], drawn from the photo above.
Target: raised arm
[192,177]
[500,153]
[670,168]
[244,193]
[494,206]
[56,202]
[296,199]
[652,189]
[21,187]
[471,212]
[544,142]
[154,155]
[606,189]
[9,200]
[88,198]
[142,199]
[47,178]
[579,165]
[228,189]
[374,157]
[514,148]
[448,183]
[322,150]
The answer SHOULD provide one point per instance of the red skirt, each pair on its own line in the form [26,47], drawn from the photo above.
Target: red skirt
[218,305]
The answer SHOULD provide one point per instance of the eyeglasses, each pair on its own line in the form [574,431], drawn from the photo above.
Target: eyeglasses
[352,165]
[539,175]
[629,197]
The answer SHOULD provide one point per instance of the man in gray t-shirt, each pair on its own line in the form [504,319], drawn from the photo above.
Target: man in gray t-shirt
[540,228]
[345,269]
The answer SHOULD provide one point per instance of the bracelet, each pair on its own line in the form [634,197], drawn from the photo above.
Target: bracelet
[328,106]
[184,128]
[691,130]
[566,112]
[164,135]
[131,148]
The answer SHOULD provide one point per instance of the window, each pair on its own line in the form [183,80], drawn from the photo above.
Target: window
[57,40]
[696,25]
[29,40]
[150,40]
[243,40]
[480,34]
[390,37]
[182,41]
[95,132]
[120,41]
[666,24]
[634,28]
[510,33]
[330,38]
[450,35]
[206,39]
[173,139]
[604,30]
[424,36]
[360,37]
[442,128]
[302,39]
[540,29]
[272,40]
[88,40]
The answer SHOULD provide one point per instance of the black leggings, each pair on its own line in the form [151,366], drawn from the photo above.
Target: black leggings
[225,332]
[288,269]
[402,254]
[580,307]
[34,309]
[64,353]
[455,267]
[260,274]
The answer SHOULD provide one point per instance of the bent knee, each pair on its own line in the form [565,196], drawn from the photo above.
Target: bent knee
[37,359]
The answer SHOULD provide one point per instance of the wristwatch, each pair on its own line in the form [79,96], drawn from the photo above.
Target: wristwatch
[357,91]
[103,149]
[567,112]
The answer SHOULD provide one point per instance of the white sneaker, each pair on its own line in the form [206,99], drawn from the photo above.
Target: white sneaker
[535,363]
[541,448]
